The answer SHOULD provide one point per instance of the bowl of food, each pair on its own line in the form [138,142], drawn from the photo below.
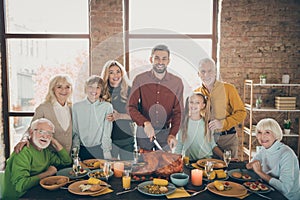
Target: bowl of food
[54,182]
[179,179]
[99,174]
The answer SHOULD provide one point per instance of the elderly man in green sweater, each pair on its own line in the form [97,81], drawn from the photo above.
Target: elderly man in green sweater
[24,170]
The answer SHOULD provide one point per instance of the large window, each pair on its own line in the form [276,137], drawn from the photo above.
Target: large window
[42,38]
[188,28]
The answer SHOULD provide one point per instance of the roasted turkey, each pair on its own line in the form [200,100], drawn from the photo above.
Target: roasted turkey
[159,163]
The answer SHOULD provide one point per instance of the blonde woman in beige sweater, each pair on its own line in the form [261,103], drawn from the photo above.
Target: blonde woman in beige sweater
[56,108]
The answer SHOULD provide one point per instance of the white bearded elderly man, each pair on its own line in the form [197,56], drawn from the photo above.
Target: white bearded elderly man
[25,169]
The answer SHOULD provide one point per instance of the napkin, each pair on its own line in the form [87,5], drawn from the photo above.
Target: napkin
[243,196]
[179,193]
[106,191]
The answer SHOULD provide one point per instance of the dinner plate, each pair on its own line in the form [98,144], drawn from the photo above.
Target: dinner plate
[237,190]
[218,164]
[74,188]
[252,174]
[67,172]
[141,188]
[89,163]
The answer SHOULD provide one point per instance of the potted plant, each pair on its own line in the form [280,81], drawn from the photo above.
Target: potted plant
[258,102]
[263,78]
[287,126]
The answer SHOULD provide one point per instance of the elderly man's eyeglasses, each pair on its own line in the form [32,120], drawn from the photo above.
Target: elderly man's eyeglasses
[43,132]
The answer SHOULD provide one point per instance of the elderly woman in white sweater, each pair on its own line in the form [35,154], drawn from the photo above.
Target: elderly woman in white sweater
[276,162]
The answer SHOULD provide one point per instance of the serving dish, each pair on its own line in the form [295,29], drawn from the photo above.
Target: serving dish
[236,190]
[142,188]
[93,163]
[54,182]
[98,173]
[217,164]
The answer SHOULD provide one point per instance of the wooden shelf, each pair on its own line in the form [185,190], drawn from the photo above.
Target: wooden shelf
[247,131]
[268,109]
[247,151]
[249,105]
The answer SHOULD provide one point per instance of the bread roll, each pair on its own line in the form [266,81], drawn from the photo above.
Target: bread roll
[236,174]
[95,188]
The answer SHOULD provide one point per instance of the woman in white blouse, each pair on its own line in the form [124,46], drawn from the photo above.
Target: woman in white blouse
[56,108]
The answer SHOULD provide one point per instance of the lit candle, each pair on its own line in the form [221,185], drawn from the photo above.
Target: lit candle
[196,177]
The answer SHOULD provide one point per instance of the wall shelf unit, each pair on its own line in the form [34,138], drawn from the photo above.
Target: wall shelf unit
[248,134]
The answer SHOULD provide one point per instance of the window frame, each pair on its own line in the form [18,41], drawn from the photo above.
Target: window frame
[128,36]
[6,113]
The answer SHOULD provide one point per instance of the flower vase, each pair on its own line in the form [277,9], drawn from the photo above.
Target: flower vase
[287,131]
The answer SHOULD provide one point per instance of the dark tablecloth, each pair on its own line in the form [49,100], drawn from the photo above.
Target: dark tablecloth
[40,193]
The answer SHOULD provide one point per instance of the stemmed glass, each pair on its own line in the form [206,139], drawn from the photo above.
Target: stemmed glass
[227,157]
[136,155]
[76,166]
[209,168]
[106,170]
[76,161]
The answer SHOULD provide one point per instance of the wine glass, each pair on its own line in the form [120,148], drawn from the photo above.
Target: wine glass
[75,152]
[76,165]
[106,170]
[136,154]
[209,168]
[227,157]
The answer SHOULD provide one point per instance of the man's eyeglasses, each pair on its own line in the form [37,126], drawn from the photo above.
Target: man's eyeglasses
[43,132]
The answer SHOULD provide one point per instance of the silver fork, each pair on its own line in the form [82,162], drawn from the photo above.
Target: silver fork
[118,193]
[195,193]
[263,196]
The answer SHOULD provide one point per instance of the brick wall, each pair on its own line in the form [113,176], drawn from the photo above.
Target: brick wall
[106,33]
[262,37]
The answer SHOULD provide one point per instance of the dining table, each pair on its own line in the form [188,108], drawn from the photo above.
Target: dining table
[38,192]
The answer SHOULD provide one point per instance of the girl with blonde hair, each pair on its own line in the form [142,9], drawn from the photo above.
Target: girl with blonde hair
[194,138]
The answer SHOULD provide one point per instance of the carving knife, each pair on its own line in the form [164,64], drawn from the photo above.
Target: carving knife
[157,144]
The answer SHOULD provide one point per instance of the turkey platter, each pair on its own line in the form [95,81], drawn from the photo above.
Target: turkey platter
[159,163]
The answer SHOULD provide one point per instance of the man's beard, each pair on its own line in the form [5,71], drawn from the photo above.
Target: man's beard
[159,68]
[41,146]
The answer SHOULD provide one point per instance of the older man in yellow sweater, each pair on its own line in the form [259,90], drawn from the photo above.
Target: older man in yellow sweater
[227,108]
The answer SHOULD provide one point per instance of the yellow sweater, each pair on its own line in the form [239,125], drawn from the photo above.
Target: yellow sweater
[226,104]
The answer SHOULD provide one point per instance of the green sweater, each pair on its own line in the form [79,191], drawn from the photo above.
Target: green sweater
[22,169]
